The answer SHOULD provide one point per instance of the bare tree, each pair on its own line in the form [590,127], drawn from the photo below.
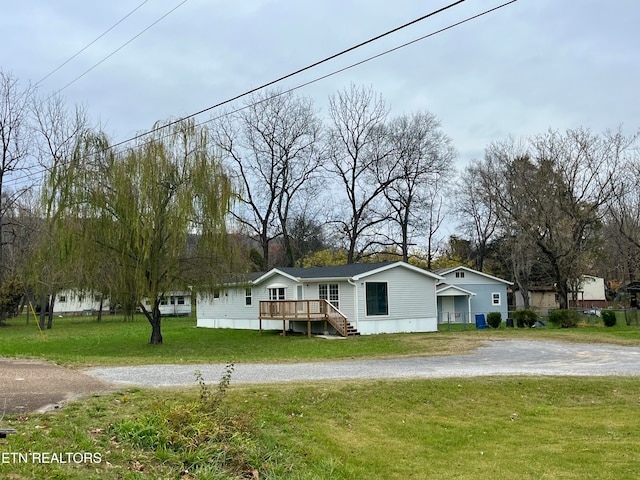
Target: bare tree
[422,158]
[477,211]
[360,160]
[15,103]
[272,146]
[623,219]
[554,188]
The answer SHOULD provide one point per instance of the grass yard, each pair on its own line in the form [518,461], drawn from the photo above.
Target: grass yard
[81,341]
[488,428]
[478,428]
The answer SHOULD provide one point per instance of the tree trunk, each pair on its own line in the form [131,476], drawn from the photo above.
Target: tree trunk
[44,307]
[155,319]
[50,313]
[563,293]
[100,308]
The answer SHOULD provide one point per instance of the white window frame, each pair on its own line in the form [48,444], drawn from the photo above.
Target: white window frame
[330,292]
[496,296]
[248,297]
[277,293]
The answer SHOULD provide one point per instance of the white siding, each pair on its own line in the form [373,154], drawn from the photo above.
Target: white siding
[77,303]
[411,298]
[173,308]
[412,303]
[230,311]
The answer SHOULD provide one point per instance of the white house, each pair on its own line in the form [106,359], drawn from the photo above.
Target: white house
[387,297]
[78,302]
[174,304]
[465,293]
[590,293]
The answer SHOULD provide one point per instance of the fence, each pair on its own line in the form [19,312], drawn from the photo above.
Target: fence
[590,316]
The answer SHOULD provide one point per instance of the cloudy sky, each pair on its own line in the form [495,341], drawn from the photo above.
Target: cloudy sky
[525,68]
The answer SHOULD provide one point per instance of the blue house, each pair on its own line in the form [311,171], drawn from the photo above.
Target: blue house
[465,293]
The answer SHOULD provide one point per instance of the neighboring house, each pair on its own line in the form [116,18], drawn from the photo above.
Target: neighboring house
[78,302]
[465,293]
[174,304]
[590,294]
[364,298]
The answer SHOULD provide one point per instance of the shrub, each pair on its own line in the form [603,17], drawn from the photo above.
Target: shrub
[494,319]
[525,317]
[564,318]
[608,317]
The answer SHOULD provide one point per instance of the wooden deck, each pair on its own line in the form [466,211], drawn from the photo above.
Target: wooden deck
[305,311]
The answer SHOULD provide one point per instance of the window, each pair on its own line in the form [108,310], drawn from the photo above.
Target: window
[329,292]
[62,298]
[173,300]
[180,300]
[163,301]
[459,274]
[276,293]
[247,297]
[377,298]
[216,293]
[495,299]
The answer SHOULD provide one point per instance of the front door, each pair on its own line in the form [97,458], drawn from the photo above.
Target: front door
[447,310]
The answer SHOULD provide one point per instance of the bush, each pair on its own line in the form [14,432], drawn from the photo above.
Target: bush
[608,317]
[525,317]
[564,318]
[494,319]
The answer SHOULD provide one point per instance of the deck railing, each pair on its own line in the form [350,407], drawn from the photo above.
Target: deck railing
[304,311]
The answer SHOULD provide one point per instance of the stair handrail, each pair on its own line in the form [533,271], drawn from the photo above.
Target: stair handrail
[336,318]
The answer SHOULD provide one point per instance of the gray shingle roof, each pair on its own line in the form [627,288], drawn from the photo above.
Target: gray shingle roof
[333,271]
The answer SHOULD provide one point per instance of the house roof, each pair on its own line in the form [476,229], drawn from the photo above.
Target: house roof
[444,289]
[353,271]
[446,271]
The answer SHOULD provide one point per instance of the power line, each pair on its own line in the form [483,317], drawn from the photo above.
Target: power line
[289,75]
[89,44]
[118,49]
[302,85]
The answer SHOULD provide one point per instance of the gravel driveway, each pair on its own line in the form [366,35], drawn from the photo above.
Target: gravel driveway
[27,386]
[508,357]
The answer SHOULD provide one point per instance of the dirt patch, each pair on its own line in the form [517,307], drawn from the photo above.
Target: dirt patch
[32,386]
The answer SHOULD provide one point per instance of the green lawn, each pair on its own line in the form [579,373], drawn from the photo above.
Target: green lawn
[81,341]
[478,428]
[486,428]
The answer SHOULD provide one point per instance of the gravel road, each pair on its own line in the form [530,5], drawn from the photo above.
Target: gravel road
[508,357]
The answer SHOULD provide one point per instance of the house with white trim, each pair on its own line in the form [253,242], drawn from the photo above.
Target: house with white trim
[79,302]
[362,298]
[173,304]
[464,293]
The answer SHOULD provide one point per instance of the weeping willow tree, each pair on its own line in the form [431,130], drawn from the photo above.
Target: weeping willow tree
[149,220]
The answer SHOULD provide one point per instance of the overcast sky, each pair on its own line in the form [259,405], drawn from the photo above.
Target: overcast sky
[525,68]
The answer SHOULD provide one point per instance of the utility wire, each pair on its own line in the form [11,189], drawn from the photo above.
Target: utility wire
[302,85]
[117,49]
[89,44]
[289,75]
[353,65]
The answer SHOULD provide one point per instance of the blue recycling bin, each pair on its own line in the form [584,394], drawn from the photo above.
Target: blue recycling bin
[480,321]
